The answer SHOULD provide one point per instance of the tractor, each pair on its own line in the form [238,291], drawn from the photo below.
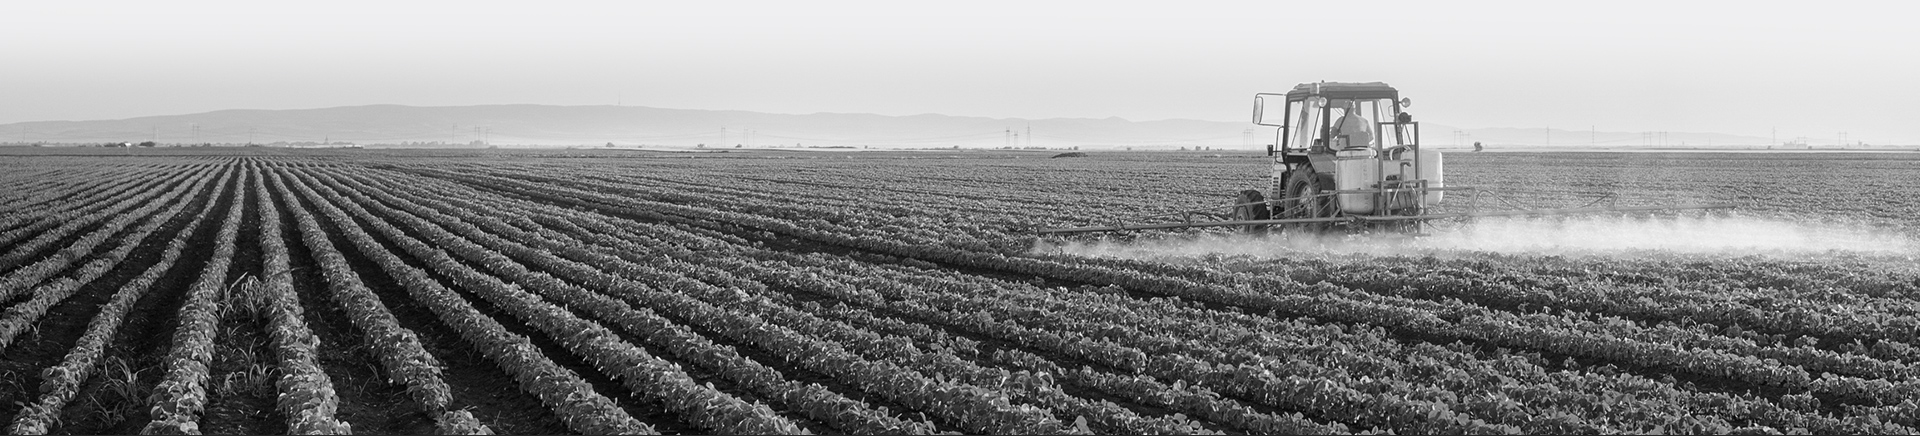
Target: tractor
[1346,159]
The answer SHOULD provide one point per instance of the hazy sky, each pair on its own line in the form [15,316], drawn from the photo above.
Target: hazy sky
[1808,68]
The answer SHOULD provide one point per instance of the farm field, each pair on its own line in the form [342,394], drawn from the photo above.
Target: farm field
[585,291]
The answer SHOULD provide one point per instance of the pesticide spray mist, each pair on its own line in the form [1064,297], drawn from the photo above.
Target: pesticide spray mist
[1604,236]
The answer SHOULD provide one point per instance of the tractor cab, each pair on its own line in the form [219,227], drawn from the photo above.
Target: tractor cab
[1322,118]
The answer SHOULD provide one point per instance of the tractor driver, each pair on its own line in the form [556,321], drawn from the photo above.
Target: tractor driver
[1357,130]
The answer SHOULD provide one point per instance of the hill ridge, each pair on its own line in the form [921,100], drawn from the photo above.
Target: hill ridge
[540,124]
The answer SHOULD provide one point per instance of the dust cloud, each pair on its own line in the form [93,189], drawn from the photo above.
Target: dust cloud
[1724,235]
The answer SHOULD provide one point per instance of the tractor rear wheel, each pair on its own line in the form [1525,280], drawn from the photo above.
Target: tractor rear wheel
[1242,211]
[1303,200]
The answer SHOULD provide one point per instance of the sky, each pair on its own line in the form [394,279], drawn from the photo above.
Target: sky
[1786,69]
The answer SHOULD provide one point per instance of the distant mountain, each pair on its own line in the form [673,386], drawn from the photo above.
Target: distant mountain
[623,125]
[526,124]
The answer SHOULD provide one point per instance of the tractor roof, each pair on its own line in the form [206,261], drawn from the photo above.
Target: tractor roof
[1343,90]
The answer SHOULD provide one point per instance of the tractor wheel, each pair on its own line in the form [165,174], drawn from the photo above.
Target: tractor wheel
[1303,201]
[1251,212]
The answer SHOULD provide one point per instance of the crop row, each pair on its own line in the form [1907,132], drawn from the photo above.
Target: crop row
[1815,359]
[917,308]
[1512,335]
[829,361]
[813,400]
[84,189]
[306,396]
[571,398]
[19,317]
[181,395]
[405,361]
[73,215]
[61,383]
[115,217]
[641,372]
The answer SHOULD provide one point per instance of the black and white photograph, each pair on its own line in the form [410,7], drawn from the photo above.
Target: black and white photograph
[984,217]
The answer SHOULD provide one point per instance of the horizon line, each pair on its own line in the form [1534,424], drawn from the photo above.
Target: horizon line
[1249,124]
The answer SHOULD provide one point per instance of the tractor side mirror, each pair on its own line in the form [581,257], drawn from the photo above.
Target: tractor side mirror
[1264,117]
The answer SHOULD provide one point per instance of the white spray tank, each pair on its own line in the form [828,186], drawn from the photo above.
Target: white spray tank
[1355,169]
[1400,162]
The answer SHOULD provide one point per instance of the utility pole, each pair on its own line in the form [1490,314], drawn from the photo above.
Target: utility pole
[1029,135]
[250,136]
